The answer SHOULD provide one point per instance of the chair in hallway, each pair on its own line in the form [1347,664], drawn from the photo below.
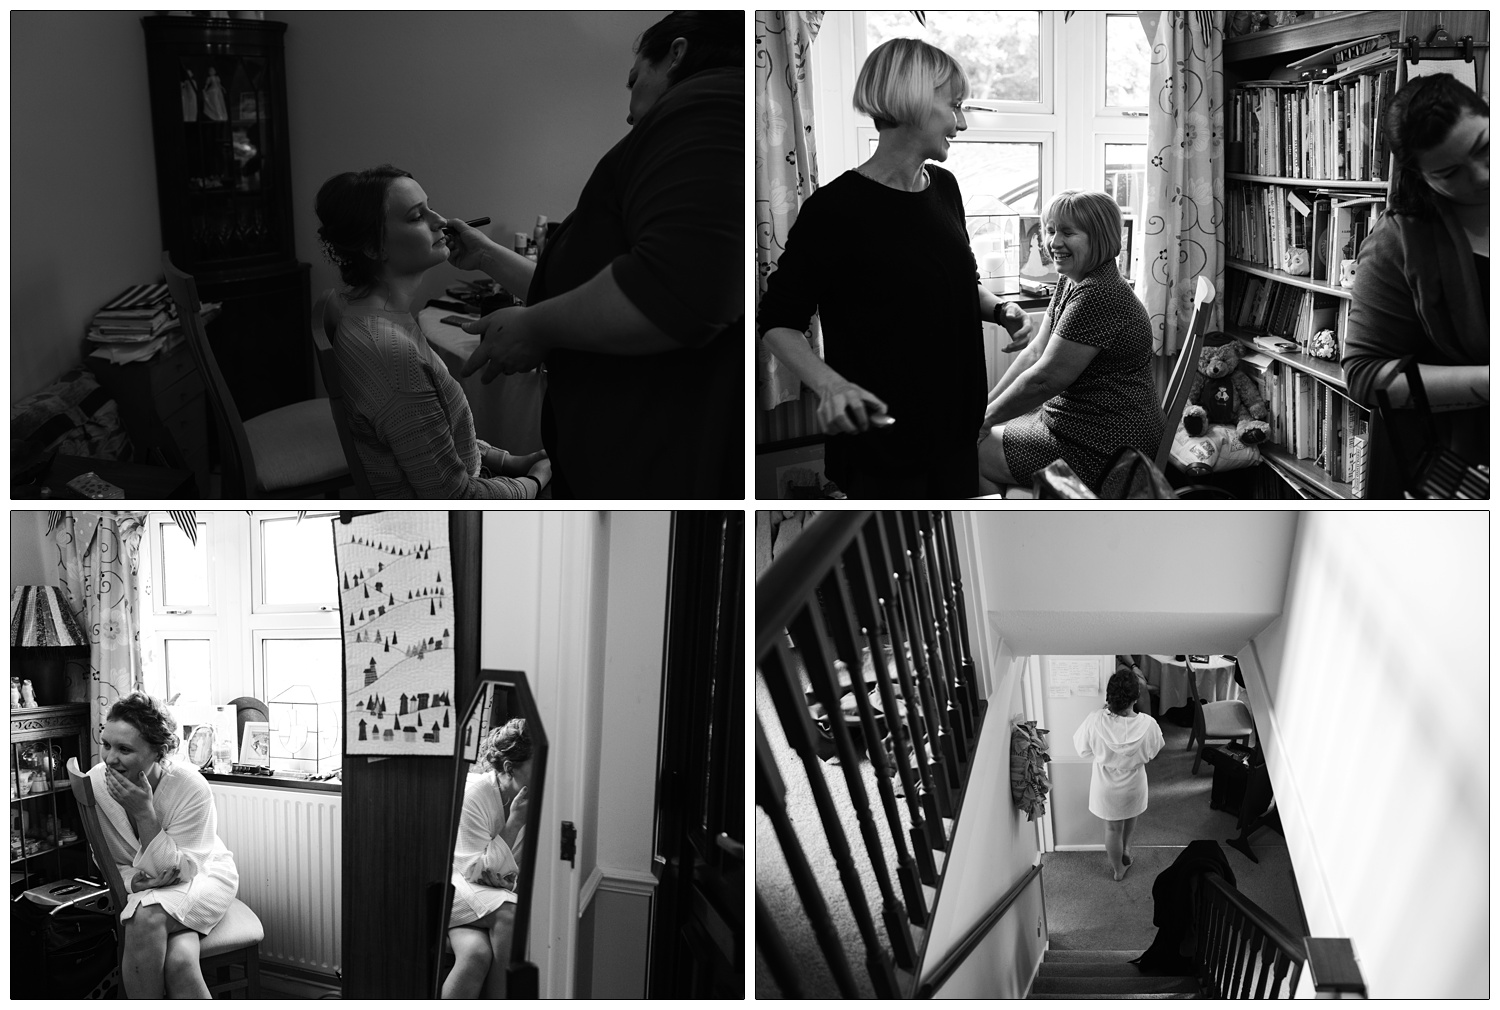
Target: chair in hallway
[234,941]
[1215,720]
[289,452]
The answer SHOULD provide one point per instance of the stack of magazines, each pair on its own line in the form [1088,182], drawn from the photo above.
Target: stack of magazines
[137,324]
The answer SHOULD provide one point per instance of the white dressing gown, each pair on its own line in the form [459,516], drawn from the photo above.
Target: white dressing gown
[484,867]
[188,840]
[1120,746]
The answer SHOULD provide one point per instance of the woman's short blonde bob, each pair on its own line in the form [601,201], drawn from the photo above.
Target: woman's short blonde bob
[1096,215]
[897,82]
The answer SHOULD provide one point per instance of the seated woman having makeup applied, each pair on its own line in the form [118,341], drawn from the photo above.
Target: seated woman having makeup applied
[411,421]
[1083,388]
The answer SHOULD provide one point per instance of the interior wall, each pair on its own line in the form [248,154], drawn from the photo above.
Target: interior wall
[83,210]
[495,113]
[1374,688]
[32,560]
[993,846]
[1132,582]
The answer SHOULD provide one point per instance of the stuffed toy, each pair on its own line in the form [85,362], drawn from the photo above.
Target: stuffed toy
[1324,345]
[1297,262]
[1222,394]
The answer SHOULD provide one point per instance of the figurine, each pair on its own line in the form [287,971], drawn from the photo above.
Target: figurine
[189,98]
[1297,262]
[213,98]
[1324,345]
[15,693]
[28,695]
[1346,273]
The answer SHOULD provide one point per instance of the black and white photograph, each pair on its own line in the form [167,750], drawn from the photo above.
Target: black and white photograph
[379,254]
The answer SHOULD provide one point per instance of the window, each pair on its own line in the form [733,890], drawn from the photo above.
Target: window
[251,609]
[1055,103]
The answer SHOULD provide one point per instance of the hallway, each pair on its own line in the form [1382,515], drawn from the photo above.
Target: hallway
[1086,910]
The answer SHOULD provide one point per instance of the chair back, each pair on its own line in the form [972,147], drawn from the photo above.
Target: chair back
[1175,398]
[239,464]
[327,314]
[88,809]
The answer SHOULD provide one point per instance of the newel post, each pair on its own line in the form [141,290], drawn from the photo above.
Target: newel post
[1335,969]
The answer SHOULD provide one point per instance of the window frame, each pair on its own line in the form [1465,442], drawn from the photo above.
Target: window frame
[258,606]
[206,533]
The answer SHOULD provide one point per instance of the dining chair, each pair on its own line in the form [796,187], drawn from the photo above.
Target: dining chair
[328,312]
[1215,720]
[234,941]
[289,452]
[1174,398]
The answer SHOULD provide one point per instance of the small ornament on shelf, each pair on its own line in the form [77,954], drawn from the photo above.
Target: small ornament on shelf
[28,695]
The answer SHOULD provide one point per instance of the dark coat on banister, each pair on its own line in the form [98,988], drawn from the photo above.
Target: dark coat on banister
[1174,892]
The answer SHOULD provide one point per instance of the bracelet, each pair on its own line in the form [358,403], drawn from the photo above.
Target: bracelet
[527,476]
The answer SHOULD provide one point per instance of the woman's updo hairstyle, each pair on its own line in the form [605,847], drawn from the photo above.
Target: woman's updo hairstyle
[715,39]
[351,207]
[1121,692]
[1418,119]
[510,743]
[150,718]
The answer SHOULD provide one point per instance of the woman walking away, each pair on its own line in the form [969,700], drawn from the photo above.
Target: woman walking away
[1120,741]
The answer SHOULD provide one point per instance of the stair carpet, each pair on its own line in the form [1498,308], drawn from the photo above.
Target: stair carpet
[1105,974]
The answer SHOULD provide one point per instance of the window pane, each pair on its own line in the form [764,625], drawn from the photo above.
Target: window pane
[184,567]
[999,50]
[1127,64]
[1125,180]
[304,692]
[189,669]
[297,561]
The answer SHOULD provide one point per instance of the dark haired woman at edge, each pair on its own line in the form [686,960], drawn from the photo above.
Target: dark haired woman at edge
[412,425]
[1422,287]
[1120,741]
[637,302]
[161,829]
[486,858]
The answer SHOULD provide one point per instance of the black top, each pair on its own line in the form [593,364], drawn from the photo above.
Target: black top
[892,278]
[664,210]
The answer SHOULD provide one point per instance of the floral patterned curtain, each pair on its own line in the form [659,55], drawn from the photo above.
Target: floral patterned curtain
[98,563]
[1184,216]
[786,167]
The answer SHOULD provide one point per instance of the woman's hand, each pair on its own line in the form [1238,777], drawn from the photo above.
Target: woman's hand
[136,799]
[1021,337]
[844,408]
[515,820]
[467,245]
[507,343]
[145,881]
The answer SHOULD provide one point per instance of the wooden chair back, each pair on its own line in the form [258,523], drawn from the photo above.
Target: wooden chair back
[1174,401]
[327,314]
[88,809]
[239,464]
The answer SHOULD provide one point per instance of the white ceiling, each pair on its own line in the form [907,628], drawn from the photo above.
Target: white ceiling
[1161,581]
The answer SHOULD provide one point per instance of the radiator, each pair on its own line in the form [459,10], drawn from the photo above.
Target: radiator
[287,844]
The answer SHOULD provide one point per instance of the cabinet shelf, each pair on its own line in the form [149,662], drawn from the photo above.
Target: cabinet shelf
[64,787]
[1325,31]
[1330,372]
[1322,287]
[1373,185]
[1302,471]
[43,852]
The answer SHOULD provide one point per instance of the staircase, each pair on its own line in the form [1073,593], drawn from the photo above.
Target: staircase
[1105,974]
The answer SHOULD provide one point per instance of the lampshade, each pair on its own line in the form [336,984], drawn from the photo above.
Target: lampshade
[39,616]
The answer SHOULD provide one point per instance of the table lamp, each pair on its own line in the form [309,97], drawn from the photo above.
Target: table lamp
[40,619]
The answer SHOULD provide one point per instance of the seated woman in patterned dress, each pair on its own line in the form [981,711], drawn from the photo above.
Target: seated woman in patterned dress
[486,855]
[1083,388]
[411,421]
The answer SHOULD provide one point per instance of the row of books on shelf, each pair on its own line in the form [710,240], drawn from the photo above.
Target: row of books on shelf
[1313,421]
[1282,310]
[1324,125]
[136,324]
[1271,223]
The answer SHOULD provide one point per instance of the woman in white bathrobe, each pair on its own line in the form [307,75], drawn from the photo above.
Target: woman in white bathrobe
[161,829]
[1120,741]
[486,857]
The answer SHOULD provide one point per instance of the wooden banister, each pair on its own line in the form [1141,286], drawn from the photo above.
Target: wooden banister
[976,934]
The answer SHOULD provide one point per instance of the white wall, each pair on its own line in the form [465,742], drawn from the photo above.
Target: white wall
[1372,693]
[993,846]
[1132,582]
[33,559]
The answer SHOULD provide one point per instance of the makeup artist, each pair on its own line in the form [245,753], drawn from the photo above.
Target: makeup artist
[636,305]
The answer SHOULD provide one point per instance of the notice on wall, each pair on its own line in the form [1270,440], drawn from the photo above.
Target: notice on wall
[395,572]
[1073,677]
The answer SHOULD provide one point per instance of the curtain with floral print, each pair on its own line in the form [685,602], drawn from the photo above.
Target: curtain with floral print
[786,167]
[98,565]
[1184,215]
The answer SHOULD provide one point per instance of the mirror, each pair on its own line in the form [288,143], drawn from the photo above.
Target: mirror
[498,788]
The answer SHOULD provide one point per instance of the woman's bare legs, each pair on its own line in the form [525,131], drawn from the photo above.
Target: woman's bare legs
[1114,835]
[500,936]
[993,470]
[184,975]
[1126,832]
[471,961]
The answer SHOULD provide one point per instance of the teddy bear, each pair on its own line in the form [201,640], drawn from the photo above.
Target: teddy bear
[1222,394]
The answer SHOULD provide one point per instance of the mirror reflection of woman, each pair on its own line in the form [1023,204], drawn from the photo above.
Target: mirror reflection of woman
[161,828]
[486,863]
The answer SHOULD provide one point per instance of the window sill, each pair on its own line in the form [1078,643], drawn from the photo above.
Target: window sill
[275,781]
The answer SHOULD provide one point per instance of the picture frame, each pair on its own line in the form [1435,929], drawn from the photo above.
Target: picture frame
[255,746]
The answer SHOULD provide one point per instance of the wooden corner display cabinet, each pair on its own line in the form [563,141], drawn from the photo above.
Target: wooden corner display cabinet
[46,835]
[223,174]
[1307,176]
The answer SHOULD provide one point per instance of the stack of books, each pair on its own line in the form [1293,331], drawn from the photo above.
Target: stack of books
[137,324]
